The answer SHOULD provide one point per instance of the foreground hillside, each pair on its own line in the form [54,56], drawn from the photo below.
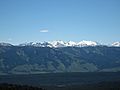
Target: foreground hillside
[6,86]
[98,86]
[33,60]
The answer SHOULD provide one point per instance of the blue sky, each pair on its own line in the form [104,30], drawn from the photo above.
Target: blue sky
[47,20]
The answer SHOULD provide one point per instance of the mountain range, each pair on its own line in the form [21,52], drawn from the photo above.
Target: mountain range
[59,56]
[59,43]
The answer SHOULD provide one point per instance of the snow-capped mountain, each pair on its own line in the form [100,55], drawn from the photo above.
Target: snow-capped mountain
[71,43]
[40,44]
[87,43]
[35,59]
[27,44]
[43,44]
[60,43]
[116,44]
[5,44]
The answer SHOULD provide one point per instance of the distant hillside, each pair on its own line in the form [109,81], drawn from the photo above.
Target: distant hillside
[33,60]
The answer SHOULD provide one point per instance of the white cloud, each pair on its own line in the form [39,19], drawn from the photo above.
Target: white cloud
[44,31]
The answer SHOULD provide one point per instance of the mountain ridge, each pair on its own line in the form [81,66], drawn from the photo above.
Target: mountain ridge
[60,43]
[34,60]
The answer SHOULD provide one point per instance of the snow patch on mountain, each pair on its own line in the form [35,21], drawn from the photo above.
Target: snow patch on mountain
[116,44]
[87,43]
[27,44]
[71,43]
[5,44]
[60,43]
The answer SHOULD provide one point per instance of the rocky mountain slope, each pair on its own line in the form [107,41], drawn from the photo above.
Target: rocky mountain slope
[30,59]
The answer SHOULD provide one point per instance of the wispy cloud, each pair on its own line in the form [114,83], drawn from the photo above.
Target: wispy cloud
[44,31]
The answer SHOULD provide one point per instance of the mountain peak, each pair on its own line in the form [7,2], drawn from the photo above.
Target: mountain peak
[58,43]
[116,44]
[5,44]
[27,44]
[87,43]
[71,43]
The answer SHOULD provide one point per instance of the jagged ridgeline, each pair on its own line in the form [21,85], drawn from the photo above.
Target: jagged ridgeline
[34,60]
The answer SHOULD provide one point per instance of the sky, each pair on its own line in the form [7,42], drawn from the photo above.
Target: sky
[47,20]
